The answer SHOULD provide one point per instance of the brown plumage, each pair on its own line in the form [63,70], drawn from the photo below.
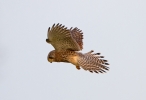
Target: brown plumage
[67,44]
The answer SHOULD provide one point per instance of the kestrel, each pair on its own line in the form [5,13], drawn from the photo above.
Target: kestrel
[67,44]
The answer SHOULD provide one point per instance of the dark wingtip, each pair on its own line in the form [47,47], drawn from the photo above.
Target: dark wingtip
[53,25]
[71,28]
[49,29]
[98,53]
[101,56]
[57,24]
[96,72]
[105,60]
[100,71]
[106,63]
[60,25]
[106,68]
[104,71]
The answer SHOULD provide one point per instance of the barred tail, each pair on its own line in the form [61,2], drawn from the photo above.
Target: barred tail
[93,62]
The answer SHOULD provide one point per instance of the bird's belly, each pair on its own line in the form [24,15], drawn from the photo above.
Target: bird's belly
[73,60]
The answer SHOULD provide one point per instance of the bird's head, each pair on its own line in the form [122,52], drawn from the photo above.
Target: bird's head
[51,56]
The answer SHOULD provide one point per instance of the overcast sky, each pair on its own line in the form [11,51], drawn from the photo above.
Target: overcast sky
[115,28]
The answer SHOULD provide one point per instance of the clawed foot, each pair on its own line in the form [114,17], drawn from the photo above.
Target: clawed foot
[78,67]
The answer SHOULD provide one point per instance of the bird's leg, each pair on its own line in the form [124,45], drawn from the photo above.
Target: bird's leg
[78,67]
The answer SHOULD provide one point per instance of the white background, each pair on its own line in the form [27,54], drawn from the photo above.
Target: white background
[115,28]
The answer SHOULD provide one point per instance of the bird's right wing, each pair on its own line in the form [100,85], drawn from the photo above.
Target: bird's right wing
[61,38]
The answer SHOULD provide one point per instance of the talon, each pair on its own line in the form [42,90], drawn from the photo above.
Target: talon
[78,67]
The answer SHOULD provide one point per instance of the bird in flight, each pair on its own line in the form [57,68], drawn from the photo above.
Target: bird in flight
[67,44]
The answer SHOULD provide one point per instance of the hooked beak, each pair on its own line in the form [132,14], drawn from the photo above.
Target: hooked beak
[47,40]
[50,60]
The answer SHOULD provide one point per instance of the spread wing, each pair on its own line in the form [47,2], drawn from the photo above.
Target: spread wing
[78,36]
[62,38]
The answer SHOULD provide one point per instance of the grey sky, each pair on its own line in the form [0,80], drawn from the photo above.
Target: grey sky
[116,28]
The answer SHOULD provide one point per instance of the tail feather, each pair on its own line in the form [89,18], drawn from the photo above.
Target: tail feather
[93,63]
